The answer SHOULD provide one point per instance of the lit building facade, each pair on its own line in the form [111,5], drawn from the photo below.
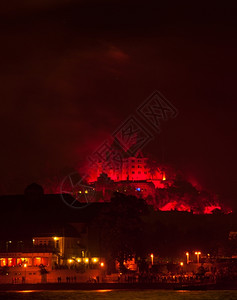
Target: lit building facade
[130,169]
[29,259]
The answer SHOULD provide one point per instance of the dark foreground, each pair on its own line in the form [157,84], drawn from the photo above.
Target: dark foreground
[118,286]
[119,295]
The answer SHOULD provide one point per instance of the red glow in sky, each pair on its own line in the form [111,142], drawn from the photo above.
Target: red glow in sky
[72,71]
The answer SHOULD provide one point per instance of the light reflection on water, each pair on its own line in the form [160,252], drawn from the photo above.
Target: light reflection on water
[119,295]
[27,291]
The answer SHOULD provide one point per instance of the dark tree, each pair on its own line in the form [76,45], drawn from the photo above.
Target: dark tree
[121,228]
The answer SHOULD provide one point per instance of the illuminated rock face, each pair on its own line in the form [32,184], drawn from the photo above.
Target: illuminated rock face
[143,178]
[159,185]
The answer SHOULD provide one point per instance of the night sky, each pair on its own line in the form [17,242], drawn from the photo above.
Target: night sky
[73,71]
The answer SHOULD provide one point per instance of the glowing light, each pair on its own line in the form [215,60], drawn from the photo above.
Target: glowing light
[152,258]
[209,209]
[198,254]
[9,262]
[55,238]
[181,264]
[95,260]
[86,260]
[25,265]
[174,205]
[79,259]
[187,254]
[158,178]
[70,261]
[102,264]
[2,262]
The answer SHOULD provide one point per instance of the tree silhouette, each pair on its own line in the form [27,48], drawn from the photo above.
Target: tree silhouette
[121,228]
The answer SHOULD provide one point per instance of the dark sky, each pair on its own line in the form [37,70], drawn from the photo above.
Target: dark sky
[72,71]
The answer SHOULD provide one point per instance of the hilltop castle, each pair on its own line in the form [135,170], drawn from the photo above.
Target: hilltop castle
[136,168]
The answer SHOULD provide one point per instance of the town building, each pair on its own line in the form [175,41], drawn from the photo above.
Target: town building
[130,169]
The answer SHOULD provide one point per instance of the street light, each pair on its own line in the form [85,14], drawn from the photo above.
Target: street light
[198,254]
[152,258]
[55,238]
[86,260]
[187,254]
[25,265]
[7,245]
[181,264]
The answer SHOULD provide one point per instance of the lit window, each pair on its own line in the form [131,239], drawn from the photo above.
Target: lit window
[4,262]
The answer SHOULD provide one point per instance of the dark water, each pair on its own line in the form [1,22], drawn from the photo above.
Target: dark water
[120,295]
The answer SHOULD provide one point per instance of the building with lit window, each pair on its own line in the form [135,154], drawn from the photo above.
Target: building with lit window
[46,250]
[129,168]
[30,259]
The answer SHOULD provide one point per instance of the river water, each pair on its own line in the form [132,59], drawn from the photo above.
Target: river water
[120,295]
